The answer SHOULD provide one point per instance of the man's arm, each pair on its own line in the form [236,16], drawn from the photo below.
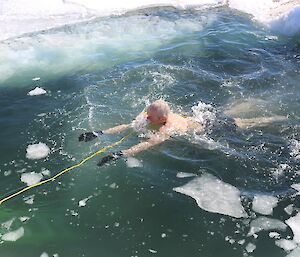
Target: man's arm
[154,140]
[88,136]
[258,122]
[117,129]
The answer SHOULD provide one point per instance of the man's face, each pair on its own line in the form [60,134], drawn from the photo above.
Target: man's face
[153,117]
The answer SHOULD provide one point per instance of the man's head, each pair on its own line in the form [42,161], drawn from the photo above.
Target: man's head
[158,111]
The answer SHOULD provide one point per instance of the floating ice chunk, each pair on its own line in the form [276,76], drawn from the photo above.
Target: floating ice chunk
[274,235]
[152,251]
[37,91]
[185,175]
[29,199]
[264,204]
[241,242]
[286,245]
[113,186]
[214,195]
[7,224]
[31,178]
[264,223]
[295,253]
[133,162]
[24,218]
[289,209]
[296,187]
[250,247]
[13,235]
[46,172]
[44,254]
[295,148]
[82,202]
[294,224]
[7,173]
[37,151]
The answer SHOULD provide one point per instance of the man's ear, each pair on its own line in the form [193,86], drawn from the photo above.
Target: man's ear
[163,118]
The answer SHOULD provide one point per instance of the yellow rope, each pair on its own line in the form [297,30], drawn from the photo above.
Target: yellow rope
[65,170]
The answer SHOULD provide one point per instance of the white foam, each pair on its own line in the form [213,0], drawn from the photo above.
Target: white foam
[264,204]
[37,91]
[133,162]
[44,254]
[31,178]
[214,195]
[294,224]
[13,235]
[264,223]
[37,151]
[295,148]
[286,245]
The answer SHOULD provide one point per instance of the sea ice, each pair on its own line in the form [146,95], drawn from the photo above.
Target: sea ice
[214,195]
[264,204]
[289,209]
[185,175]
[295,253]
[296,187]
[13,235]
[250,247]
[82,202]
[264,223]
[286,245]
[294,224]
[7,224]
[31,178]
[133,162]
[29,199]
[37,151]
[274,235]
[37,91]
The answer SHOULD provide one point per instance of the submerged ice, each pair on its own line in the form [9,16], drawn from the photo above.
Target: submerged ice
[214,195]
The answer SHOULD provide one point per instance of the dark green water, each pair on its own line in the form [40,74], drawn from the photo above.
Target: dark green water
[103,73]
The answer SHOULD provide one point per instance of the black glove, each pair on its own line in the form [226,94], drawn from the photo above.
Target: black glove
[110,157]
[88,136]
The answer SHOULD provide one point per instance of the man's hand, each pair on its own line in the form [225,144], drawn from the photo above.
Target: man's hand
[88,136]
[110,157]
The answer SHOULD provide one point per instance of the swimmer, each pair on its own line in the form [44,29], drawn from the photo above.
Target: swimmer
[165,123]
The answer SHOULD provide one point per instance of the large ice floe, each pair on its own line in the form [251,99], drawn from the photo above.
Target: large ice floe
[264,204]
[214,195]
[265,224]
[26,16]
[13,235]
